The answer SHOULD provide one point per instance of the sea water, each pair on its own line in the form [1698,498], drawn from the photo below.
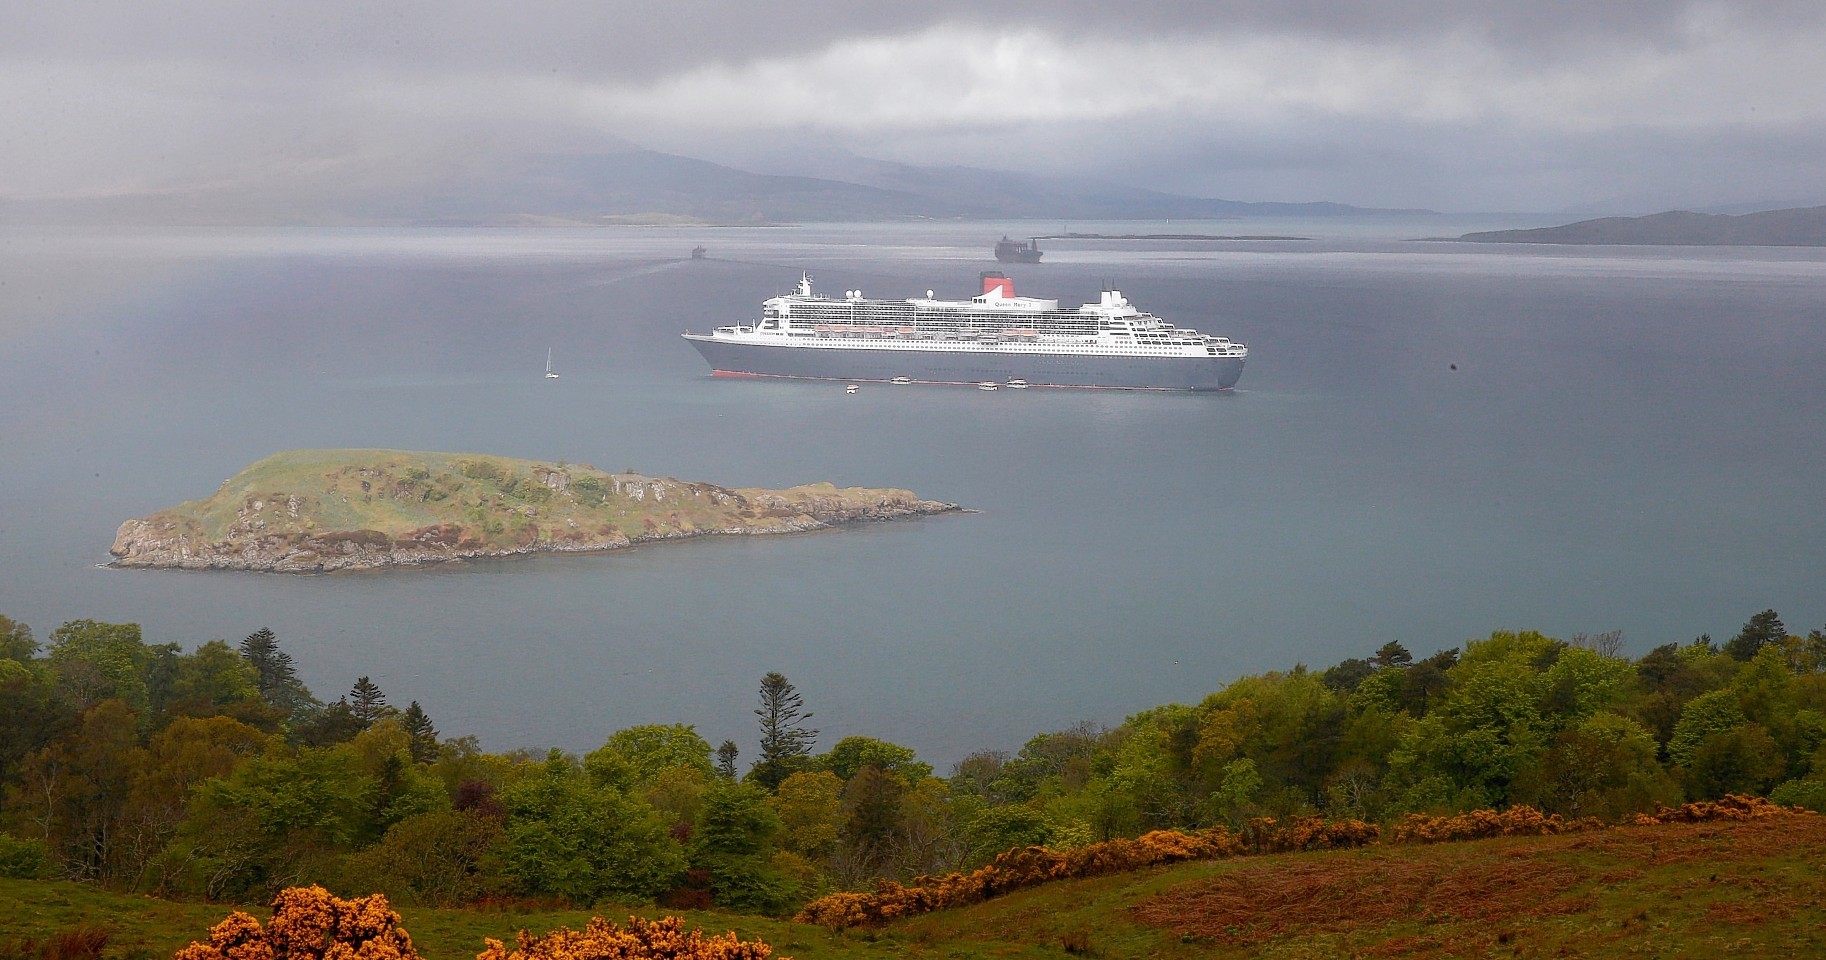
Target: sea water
[1430,441]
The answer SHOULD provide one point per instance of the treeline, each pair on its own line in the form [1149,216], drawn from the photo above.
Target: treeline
[217,774]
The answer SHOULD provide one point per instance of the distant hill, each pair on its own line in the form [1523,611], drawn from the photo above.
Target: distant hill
[1800,227]
[638,185]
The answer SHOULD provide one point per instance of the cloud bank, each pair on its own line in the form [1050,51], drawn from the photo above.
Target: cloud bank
[1450,105]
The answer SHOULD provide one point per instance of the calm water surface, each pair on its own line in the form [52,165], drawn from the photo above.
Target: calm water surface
[1431,441]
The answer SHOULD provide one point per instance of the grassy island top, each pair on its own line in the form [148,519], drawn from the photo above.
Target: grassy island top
[496,500]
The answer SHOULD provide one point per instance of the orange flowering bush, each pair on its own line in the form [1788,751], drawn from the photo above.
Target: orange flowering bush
[1519,821]
[1729,807]
[662,939]
[309,924]
[1016,869]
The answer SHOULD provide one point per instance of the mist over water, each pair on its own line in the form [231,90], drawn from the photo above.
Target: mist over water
[1430,441]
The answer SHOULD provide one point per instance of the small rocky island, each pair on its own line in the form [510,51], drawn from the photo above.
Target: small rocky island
[313,511]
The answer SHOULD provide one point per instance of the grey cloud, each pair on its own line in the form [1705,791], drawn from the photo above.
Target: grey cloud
[590,40]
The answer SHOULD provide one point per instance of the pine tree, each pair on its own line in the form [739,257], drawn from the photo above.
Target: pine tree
[278,679]
[785,744]
[424,736]
[367,703]
[1763,629]
[725,759]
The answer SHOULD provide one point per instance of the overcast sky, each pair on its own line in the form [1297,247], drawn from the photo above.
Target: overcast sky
[1483,105]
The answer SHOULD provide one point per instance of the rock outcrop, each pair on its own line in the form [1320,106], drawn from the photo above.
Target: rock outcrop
[315,511]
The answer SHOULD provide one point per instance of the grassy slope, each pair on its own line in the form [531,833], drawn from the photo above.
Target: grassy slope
[396,492]
[1742,890]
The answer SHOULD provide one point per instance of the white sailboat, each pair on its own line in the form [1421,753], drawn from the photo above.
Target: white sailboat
[549,375]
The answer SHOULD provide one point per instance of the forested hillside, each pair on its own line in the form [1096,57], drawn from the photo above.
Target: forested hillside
[215,773]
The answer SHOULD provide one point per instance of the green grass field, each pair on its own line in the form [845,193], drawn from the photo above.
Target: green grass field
[1739,890]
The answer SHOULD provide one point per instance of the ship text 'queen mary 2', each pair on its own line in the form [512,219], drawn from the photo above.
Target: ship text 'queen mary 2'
[995,336]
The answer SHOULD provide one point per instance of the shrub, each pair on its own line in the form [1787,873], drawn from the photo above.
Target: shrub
[21,859]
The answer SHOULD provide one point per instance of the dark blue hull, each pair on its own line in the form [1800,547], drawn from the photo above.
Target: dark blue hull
[731,358]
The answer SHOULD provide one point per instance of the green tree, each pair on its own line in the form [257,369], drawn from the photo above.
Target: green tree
[725,759]
[211,678]
[95,661]
[1604,766]
[276,675]
[810,809]
[570,838]
[786,743]
[367,704]
[31,714]
[1392,655]
[186,753]
[1703,716]
[278,820]
[1743,759]
[16,641]
[734,844]
[74,792]
[1762,629]
[652,749]
[417,725]
[441,858]
[851,754]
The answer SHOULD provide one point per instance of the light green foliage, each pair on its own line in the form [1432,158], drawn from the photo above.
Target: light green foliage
[276,819]
[810,809]
[651,750]
[678,793]
[21,859]
[1704,715]
[1234,800]
[568,837]
[1808,793]
[94,661]
[851,754]
[1004,828]
[1581,682]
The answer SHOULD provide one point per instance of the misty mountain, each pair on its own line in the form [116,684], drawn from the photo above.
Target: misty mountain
[647,185]
[1799,227]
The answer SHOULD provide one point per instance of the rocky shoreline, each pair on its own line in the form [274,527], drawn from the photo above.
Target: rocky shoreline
[249,525]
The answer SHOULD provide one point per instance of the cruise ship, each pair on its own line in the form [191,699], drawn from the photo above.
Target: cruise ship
[993,337]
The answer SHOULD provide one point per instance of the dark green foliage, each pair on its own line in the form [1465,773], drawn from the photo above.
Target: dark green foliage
[367,703]
[1392,654]
[424,736]
[443,858]
[726,755]
[786,744]
[735,835]
[276,675]
[330,725]
[1347,675]
[1762,629]
[569,838]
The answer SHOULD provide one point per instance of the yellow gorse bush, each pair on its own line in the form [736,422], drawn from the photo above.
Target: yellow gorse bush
[310,924]
[639,940]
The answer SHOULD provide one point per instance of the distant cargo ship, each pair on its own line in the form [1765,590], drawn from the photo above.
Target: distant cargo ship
[1014,251]
[993,337]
